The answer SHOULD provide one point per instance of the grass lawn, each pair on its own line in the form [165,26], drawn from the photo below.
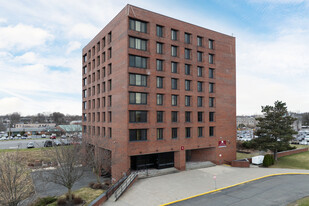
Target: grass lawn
[295,161]
[300,202]
[85,193]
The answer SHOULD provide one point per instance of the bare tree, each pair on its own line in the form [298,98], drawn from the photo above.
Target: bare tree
[14,118]
[15,179]
[69,167]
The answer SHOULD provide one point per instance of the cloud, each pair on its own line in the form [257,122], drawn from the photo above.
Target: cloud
[279,1]
[21,37]
[85,31]
[72,46]
[3,20]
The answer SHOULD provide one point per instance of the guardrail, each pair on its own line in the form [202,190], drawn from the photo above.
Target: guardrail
[125,185]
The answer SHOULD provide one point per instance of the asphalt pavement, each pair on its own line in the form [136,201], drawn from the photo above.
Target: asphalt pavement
[21,144]
[275,190]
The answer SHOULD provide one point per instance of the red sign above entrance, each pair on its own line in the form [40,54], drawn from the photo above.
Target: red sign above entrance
[182,147]
[222,143]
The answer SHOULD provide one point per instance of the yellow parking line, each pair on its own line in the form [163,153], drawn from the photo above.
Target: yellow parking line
[212,191]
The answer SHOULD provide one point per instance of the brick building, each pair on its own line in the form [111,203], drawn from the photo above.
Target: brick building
[158,92]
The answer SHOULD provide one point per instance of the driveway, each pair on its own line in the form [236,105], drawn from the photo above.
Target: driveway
[275,190]
[168,188]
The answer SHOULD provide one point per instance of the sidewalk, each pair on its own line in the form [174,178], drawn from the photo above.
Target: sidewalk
[167,188]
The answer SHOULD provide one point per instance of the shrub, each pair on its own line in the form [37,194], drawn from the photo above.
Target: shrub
[77,200]
[91,185]
[62,202]
[268,160]
[44,201]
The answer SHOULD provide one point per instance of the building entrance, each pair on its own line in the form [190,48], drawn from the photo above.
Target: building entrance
[158,161]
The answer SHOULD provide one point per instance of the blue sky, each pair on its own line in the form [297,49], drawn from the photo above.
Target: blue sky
[41,43]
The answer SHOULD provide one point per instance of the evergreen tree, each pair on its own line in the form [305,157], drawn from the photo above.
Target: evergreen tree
[275,128]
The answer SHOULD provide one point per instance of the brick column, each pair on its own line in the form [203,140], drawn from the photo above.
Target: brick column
[180,159]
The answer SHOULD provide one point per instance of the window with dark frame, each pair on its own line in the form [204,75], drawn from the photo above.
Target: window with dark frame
[137,43]
[174,51]
[174,116]
[199,86]
[199,71]
[187,69]
[159,63]
[187,116]
[174,133]
[187,85]
[159,31]
[137,134]
[138,61]
[199,56]
[174,67]
[159,82]
[188,132]
[174,83]
[211,101]
[159,133]
[200,131]
[211,87]
[138,80]
[211,116]
[187,38]
[211,131]
[137,25]
[174,34]
[138,116]
[211,74]
[211,44]
[159,48]
[187,101]
[159,99]
[199,41]
[211,58]
[160,116]
[200,116]
[137,98]
[174,100]
[187,53]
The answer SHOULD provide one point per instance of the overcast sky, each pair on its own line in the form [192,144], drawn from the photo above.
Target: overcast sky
[41,44]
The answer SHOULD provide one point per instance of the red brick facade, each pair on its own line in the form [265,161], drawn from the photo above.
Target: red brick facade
[98,74]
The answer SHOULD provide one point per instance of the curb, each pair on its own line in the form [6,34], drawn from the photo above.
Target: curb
[223,188]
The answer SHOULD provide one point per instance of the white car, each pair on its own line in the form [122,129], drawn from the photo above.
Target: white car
[30,145]
[3,138]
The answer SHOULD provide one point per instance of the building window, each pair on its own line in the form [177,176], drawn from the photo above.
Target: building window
[200,116]
[138,25]
[138,61]
[138,80]
[187,53]
[159,31]
[174,100]
[211,131]
[104,72]
[199,41]
[199,101]
[188,116]
[85,81]
[187,69]
[84,105]
[104,117]
[188,132]
[187,85]
[110,100]
[211,101]
[138,98]
[103,87]
[110,37]
[159,99]
[109,52]
[138,116]
[200,131]
[85,58]
[85,70]
[159,65]
[98,116]
[187,38]
[104,103]
[109,85]
[85,93]
[199,56]
[174,133]
[174,34]
[187,101]
[109,116]
[103,57]
[137,43]
[159,48]
[98,61]
[174,83]
[211,87]
[110,134]
[174,67]
[211,58]
[174,116]
[159,82]
[98,46]
[211,116]
[199,71]
[160,116]
[138,134]
[174,51]
[211,44]
[104,42]
[211,73]
[159,133]
[199,86]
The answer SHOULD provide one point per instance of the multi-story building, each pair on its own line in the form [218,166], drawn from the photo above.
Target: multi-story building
[159,92]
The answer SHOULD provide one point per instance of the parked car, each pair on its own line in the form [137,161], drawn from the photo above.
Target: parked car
[18,136]
[53,136]
[57,142]
[43,135]
[66,141]
[30,145]
[48,143]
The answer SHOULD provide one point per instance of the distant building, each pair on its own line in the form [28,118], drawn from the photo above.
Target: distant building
[38,125]
[70,129]
[247,121]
